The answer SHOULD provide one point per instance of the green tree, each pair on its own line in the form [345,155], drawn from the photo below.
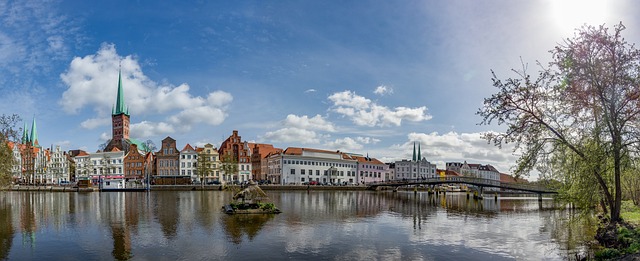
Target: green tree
[205,165]
[229,165]
[585,104]
[8,133]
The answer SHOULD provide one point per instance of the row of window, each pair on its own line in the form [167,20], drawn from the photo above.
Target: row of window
[319,163]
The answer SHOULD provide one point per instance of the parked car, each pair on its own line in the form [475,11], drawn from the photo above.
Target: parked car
[215,182]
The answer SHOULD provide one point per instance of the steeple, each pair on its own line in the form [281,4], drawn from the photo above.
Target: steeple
[419,157]
[25,134]
[120,107]
[414,151]
[34,133]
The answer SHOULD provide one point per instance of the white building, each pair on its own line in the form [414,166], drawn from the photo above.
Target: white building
[417,168]
[106,165]
[58,166]
[188,161]
[476,171]
[303,165]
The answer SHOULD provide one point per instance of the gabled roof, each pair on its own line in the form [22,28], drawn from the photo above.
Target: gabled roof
[187,148]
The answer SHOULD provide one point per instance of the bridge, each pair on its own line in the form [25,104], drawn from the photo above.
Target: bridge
[479,182]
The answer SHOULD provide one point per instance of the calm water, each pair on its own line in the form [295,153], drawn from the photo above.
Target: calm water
[316,225]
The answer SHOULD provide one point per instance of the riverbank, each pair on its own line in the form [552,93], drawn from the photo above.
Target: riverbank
[185,188]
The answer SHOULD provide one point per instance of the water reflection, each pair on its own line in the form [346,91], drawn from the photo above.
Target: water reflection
[236,226]
[328,225]
[6,228]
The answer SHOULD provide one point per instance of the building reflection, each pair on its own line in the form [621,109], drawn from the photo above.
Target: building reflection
[165,209]
[6,228]
[122,212]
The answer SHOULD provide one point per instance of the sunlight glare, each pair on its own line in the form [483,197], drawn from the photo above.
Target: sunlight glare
[569,15]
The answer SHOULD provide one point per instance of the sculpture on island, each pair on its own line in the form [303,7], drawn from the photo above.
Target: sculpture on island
[251,200]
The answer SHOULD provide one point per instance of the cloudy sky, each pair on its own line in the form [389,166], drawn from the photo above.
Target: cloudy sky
[368,77]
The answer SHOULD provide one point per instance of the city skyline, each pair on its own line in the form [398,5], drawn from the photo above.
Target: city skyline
[363,77]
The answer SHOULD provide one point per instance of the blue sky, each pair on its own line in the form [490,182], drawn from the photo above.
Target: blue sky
[368,77]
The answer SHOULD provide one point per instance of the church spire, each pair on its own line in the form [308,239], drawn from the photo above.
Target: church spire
[34,132]
[419,157]
[120,107]
[25,134]
[414,151]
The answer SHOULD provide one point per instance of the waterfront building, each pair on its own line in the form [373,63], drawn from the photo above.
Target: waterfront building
[370,170]
[187,161]
[234,150]
[106,165]
[134,164]
[31,160]
[58,166]
[208,155]
[476,171]
[416,168]
[304,165]
[391,174]
[259,162]
[84,166]
[168,165]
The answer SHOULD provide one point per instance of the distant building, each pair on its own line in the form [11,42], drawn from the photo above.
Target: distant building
[259,165]
[415,168]
[134,164]
[370,170]
[213,160]
[233,149]
[476,171]
[188,159]
[58,166]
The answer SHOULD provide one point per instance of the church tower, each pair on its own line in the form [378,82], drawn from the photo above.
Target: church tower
[119,120]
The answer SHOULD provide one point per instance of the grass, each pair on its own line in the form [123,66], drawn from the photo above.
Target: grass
[630,212]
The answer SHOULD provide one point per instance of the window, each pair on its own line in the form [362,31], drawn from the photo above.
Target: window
[293,171]
[302,172]
[317,172]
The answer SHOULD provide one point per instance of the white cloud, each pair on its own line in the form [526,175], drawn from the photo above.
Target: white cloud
[92,82]
[95,122]
[304,122]
[310,90]
[364,112]
[367,140]
[383,90]
[344,144]
[293,135]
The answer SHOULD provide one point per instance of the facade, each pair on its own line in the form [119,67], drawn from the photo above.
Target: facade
[235,150]
[370,170]
[259,166]
[59,166]
[84,165]
[303,165]
[391,174]
[188,159]
[476,171]
[106,165]
[31,160]
[167,159]
[134,164]
[209,155]
[417,168]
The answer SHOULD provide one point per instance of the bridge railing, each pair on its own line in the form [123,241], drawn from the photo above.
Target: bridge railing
[468,180]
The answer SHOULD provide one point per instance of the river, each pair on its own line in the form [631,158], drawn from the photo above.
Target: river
[314,225]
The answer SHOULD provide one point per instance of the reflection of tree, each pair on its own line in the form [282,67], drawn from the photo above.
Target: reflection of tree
[166,210]
[6,229]
[237,225]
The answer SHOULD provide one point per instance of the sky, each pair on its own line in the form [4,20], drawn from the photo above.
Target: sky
[365,77]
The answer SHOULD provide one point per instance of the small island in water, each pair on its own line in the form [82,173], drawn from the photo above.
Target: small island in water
[251,200]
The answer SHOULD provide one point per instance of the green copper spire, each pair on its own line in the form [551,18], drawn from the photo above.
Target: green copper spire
[414,151]
[25,134]
[419,157]
[120,108]
[34,132]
